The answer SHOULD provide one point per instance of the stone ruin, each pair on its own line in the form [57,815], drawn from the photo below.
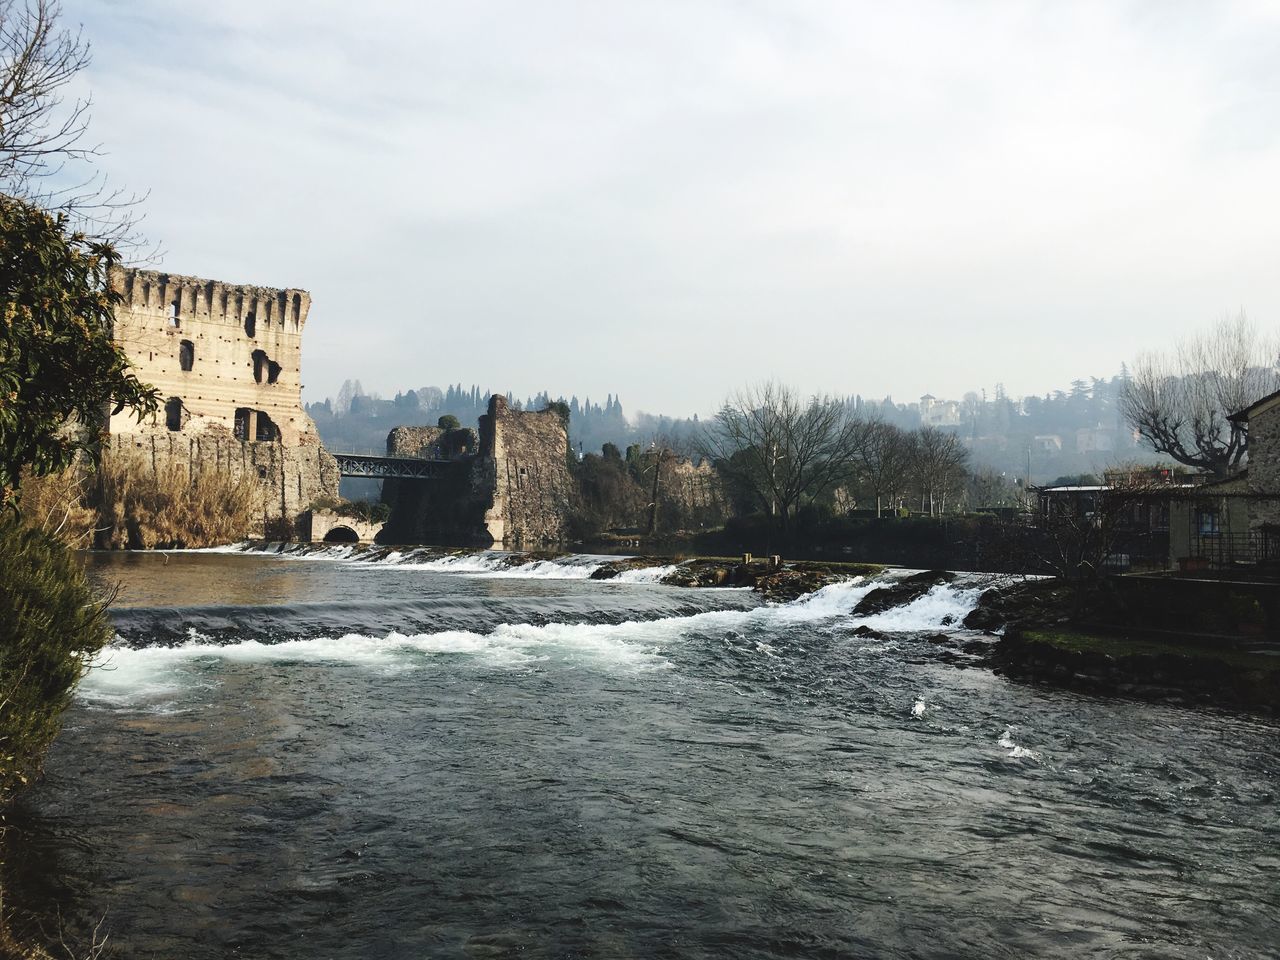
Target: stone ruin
[510,485]
[513,484]
[227,360]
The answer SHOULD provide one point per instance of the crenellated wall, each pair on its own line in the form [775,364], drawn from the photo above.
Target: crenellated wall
[214,350]
[227,360]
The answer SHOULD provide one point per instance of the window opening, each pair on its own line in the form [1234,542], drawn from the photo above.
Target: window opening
[187,354]
[264,368]
[267,430]
[173,413]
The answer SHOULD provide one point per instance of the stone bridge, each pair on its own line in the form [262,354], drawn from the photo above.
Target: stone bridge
[328,527]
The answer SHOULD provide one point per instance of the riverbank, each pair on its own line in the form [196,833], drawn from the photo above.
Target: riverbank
[1114,664]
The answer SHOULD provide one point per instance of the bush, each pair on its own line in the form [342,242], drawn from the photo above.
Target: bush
[448,422]
[51,628]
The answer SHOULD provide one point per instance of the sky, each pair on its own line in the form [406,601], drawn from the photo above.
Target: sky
[668,200]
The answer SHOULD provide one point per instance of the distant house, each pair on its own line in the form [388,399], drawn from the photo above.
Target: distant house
[1047,443]
[1095,440]
[1235,522]
[939,413]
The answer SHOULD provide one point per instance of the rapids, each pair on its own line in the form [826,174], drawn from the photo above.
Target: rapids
[407,755]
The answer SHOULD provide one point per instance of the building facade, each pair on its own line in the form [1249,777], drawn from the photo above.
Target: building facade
[227,360]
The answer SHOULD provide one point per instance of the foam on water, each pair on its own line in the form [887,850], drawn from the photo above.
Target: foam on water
[1015,751]
[143,674]
[646,574]
[498,566]
[943,606]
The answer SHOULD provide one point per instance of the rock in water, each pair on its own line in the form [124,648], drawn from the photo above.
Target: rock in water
[902,592]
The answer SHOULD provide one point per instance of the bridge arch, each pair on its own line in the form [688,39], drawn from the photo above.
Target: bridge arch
[341,534]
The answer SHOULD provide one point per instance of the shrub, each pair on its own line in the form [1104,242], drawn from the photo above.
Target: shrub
[448,422]
[52,627]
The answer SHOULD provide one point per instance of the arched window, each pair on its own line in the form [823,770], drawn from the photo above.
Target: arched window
[250,325]
[175,320]
[187,354]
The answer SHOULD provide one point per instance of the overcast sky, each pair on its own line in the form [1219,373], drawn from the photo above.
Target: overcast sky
[668,199]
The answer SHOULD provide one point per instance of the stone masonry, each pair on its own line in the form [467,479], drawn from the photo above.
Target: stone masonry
[516,490]
[227,360]
[1263,473]
[524,459]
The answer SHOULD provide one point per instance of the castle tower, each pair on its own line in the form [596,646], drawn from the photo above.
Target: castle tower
[227,360]
[222,355]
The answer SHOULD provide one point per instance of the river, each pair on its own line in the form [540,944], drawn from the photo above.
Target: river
[325,757]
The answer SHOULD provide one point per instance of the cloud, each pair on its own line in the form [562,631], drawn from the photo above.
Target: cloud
[666,199]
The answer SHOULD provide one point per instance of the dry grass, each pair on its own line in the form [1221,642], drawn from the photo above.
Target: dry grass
[171,506]
[60,505]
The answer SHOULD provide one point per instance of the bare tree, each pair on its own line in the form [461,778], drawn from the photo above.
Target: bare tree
[1078,539]
[882,461]
[781,450]
[1180,403]
[44,156]
[938,466]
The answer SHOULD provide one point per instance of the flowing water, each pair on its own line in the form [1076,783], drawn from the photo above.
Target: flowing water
[329,757]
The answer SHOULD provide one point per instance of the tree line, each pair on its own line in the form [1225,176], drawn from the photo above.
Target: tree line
[780,453]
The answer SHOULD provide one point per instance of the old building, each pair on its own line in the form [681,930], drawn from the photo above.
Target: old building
[227,359]
[511,485]
[1235,522]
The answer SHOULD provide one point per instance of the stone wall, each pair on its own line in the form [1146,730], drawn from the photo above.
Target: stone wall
[289,478]
[1264,465]
[227,360]
[320,526]
[225,355]
[415,442]
[516,490]
[524,464]
[690,496]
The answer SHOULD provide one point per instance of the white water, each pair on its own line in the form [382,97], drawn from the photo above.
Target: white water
[127,674]
[1015,751]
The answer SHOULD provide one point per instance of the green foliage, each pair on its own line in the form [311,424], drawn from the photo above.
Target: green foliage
[559,407]
[59,365]
[448,422]
[459,441]
[366,510]
[52,627]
